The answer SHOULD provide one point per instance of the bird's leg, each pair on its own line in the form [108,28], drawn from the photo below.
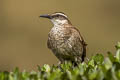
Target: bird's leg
[60,62]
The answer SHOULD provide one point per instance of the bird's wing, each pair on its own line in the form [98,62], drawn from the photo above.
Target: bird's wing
[76,43]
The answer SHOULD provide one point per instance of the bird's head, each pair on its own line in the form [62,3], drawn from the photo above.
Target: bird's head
[57,18]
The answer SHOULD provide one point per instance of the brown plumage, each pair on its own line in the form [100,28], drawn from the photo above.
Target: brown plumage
[65,40]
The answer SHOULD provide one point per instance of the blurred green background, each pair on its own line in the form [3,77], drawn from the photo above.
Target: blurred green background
[23,35]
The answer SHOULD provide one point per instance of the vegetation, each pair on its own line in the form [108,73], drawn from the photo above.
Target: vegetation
[97,68]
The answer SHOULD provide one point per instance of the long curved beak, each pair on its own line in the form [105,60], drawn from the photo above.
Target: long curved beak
[45,16]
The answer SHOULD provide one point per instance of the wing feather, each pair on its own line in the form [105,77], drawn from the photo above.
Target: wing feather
[77,44]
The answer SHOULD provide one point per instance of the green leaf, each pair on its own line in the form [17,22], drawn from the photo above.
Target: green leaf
[92,75]
[91,63]
[111,57]
[118,55]
[118,45]
[98,58]
[113,73]
[108,63]
[46,68]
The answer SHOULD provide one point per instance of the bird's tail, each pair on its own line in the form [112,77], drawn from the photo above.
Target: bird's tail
[84,52]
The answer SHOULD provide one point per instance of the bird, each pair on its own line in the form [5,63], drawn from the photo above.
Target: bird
[65,40]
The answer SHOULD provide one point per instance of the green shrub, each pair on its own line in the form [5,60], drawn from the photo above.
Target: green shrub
[97,68]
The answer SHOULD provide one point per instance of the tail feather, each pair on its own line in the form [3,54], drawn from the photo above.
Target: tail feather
[84,52]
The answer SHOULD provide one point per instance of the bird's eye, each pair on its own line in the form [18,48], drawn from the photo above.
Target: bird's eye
[57,15]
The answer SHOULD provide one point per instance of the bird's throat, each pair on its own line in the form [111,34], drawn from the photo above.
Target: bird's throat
[59,22]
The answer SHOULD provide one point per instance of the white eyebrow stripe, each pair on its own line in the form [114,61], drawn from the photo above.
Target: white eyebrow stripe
[62,14]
